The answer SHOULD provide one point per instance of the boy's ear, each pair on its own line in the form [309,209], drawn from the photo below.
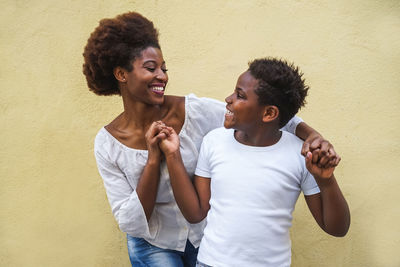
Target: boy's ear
[120,74]
[270,113]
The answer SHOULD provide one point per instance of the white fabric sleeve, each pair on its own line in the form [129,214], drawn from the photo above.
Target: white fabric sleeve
[205,113]
[308,185]
[123,199]
[203,165]
[292,125]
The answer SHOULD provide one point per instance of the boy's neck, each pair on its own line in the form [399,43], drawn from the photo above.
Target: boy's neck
[267,136]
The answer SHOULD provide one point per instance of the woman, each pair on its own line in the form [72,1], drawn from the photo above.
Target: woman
[123,57]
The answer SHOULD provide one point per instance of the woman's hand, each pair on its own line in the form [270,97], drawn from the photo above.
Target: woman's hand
[323,153]
[153,136]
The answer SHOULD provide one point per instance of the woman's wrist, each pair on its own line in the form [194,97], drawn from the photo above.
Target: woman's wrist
[303,131]
[154,160]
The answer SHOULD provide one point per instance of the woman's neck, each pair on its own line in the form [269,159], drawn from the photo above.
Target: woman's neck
[138,115]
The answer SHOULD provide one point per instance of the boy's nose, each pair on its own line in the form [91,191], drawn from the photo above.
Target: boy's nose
[228,99]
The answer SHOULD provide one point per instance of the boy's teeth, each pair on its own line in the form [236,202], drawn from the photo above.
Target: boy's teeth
[161,89]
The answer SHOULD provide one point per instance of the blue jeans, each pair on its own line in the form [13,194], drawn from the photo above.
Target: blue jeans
[142,253]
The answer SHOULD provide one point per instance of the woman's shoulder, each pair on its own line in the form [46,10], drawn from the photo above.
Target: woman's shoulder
[175,103]
[101,141]
[174,111]
[104,140]
[192,101]
[205,106]
[203,114]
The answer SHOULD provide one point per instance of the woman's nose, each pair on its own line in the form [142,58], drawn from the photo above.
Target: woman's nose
[162,76]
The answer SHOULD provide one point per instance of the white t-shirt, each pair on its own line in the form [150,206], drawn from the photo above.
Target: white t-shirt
[121,167]
[253,194]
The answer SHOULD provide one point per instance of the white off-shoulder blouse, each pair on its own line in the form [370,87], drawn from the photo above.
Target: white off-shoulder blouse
[121,167]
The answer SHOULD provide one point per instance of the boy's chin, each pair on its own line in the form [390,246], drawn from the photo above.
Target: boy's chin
[230,127]
[227,125]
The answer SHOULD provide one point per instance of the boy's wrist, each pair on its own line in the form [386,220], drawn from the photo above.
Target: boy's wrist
[173,155]
[323,177]
[324,181]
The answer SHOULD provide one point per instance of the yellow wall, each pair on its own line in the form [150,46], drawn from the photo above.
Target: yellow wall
[53,208]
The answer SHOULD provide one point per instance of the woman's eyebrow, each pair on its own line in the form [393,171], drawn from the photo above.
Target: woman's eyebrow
[153,61]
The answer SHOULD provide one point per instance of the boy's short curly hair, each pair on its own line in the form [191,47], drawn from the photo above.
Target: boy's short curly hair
[116,42]
[279,84]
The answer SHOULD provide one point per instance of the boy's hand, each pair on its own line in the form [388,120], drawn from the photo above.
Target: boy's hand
[322,150]
[318,171]
[170,144]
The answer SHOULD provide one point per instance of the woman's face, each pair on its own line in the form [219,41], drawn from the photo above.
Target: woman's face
[146,82]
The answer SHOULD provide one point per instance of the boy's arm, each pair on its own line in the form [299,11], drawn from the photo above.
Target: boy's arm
[193,201]
[329,207]
[322,149]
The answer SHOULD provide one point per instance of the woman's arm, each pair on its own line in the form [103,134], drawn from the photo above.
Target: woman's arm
[132,205]
[193,201]
[322,150]
[148,182]
[147,186]
[329,207]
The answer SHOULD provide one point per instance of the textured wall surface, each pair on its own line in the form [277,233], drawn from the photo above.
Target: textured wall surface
[53,206]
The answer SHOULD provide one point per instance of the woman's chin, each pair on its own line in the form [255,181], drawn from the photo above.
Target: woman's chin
[159,100]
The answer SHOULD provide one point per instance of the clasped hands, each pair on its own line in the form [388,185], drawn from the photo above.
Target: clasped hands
[161,139]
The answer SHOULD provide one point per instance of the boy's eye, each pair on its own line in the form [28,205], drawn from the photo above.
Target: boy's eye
[238,95]
[164,70]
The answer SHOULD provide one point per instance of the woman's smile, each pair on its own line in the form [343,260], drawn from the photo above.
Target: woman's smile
[158,89]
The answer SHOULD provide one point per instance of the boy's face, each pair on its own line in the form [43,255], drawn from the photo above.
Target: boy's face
[243,109]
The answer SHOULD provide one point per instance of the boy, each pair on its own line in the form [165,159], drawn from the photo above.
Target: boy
[250,174]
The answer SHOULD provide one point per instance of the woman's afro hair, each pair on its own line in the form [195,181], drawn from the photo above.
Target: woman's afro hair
[116,42]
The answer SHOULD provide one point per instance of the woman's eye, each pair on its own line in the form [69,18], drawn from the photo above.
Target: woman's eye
[239,95]
[150,69]
[164,70]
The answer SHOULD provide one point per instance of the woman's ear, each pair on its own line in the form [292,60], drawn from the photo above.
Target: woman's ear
[120,74]
[270,113]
